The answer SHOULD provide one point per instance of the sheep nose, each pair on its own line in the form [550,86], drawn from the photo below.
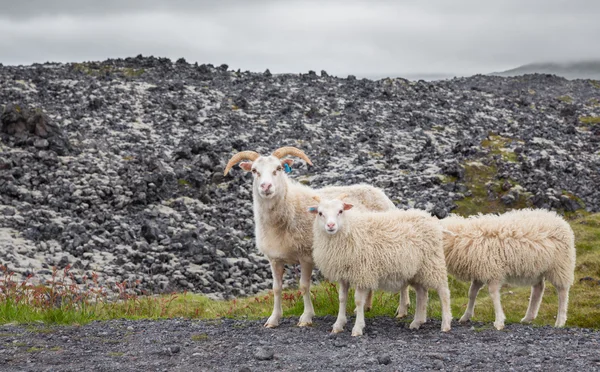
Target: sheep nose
[330,225]
[265,186]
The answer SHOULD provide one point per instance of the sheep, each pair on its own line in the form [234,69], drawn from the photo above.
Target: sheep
[520,247]
[379,250]
[283,230]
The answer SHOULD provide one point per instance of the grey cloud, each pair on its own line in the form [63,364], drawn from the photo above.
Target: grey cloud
[372,38]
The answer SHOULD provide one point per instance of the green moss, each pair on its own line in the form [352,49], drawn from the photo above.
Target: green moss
[34,349]
[497,145]
[438,128]
[102,70]
[131,72]
[595,84]
[376,155]
[115,354]
[199,337]
[56,348]
[446,179]
[486,191]
[590,120]
[184,182]
[594,102]
[566,99]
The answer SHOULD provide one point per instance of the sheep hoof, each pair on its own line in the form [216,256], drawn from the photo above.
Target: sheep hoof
[526,320]
[415,324]
[304,324]
[401,313]
[446,329]
[272,323]
[464,319]
[337,329]
[499,326]
[357,333]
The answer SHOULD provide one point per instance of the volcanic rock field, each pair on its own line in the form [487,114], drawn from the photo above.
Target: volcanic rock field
[116,167]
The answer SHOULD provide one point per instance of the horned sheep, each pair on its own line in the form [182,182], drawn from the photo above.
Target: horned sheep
[521,247]
[283,229]
[383,250]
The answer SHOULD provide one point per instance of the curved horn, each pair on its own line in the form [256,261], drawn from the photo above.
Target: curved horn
[317,198]
[289,150]
[243,155]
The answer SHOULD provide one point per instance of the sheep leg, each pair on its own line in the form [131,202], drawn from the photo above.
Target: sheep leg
[277,268]
[360,298]
[494,288]
[306,269]
[473,291]
[534,302]
[563,302]
[402,309]
[444,294]
[421,308]
[339,324]
[368,301]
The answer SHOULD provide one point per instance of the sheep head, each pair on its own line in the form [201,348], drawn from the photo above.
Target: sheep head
[330,213]
[269,177]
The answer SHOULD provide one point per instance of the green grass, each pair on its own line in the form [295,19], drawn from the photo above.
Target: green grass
[61,303]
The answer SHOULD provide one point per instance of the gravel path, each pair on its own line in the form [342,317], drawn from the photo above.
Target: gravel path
[233,345]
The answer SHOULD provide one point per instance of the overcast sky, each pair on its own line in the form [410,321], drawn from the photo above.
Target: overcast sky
[366,38]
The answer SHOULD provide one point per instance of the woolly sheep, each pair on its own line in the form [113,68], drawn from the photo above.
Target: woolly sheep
[379,250]
[521,247]
[283,228]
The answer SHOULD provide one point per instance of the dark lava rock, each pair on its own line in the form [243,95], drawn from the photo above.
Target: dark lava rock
[264,354]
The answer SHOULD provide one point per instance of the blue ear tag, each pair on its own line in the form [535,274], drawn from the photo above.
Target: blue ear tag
[287,168]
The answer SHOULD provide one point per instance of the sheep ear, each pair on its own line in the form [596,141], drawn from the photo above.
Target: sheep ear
[246,165]
[313,210]
[289,162]
[348,206]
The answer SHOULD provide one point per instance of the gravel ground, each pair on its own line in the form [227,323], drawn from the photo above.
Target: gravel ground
[234,345]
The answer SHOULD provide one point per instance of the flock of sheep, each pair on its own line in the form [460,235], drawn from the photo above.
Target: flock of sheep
[356,236]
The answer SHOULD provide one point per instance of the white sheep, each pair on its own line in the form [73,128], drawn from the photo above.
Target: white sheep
[283,228]
[380,250]
[520,247]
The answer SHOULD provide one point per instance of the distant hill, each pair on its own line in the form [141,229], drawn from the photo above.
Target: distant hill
[574,70]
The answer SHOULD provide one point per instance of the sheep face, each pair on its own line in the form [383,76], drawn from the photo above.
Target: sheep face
[269,176]
[331,214]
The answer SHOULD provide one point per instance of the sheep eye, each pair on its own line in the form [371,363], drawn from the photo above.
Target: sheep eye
[341,211]
[254,171]
[320,214]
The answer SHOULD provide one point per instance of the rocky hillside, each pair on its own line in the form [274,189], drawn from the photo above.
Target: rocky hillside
[573,70]
[116,167]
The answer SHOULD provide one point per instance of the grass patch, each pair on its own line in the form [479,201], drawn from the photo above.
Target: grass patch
[65,305]
[589,120]
[115,354]
[34,349]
